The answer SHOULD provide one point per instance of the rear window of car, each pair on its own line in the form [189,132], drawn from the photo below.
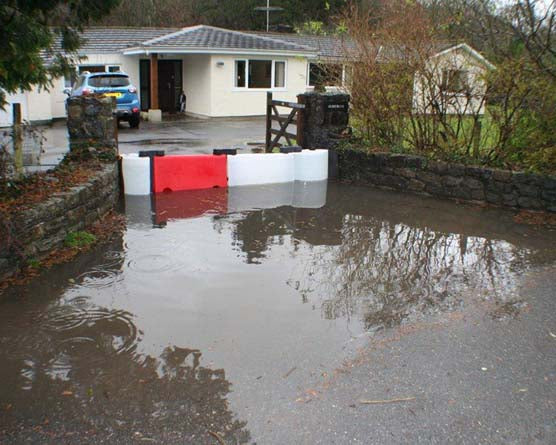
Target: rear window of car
[108,81]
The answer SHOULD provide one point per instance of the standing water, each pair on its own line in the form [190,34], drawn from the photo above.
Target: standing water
[216,310]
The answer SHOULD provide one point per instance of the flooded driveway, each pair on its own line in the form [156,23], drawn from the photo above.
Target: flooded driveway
[257,315]
[176,136]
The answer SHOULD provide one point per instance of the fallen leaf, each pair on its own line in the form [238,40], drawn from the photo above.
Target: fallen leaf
[67,393]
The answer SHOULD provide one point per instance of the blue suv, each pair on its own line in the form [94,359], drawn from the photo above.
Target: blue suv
[112,84]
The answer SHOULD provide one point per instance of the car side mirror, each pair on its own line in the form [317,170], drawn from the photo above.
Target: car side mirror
[67,91]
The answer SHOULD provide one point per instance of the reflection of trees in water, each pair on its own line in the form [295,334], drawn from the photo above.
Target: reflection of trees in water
[254,231]
[115,392]
[385,270]
[391,271]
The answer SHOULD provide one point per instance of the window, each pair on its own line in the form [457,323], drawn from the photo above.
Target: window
[100,68]
[240,73]
[329,74]
[279,74]
[92,68]
[108,81]
[454,81]
[260,74]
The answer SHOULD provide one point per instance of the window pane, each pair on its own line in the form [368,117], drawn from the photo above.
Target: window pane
[240,73]
[279,74]
[92,69]
[260,73]
[113,68]
[329,74]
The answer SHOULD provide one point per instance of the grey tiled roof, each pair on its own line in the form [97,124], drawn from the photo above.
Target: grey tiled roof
[327,47]
[102,39]
[209,37]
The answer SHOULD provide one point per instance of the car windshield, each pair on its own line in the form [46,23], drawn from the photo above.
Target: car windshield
[108,81]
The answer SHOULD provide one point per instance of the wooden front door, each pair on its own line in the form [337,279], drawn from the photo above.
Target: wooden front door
[169,84]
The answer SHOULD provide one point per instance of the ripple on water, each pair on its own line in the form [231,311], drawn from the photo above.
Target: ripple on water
[155,263]
[113,329]
[99,278]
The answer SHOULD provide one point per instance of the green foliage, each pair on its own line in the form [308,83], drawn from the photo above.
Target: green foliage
[33,263]
[39,40]
[79,239]
[233,14]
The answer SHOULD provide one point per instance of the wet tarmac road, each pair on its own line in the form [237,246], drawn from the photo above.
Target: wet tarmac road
[251,315]
[175,136]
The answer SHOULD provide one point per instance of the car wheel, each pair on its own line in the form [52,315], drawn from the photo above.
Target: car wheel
[134,122]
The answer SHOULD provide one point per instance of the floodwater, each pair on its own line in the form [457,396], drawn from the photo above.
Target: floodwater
[216,309]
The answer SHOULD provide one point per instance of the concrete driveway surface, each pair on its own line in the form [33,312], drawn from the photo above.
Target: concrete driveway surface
[185,136]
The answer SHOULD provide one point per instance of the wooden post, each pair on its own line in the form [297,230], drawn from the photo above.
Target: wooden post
[300,121]
[154,82]
[18,140]
[268,121]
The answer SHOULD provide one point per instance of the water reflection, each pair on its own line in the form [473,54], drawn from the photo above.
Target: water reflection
[71,372]
[135,337]
[390,264]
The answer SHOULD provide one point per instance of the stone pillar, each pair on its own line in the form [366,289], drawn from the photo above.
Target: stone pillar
[92,127]
[325,121]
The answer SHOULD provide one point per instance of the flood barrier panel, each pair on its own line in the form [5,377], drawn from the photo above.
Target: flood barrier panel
[155,174]
[191,172]
[311,165]
[136,173]
[256,169]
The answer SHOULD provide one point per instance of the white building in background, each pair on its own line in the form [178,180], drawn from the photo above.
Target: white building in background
[222,72]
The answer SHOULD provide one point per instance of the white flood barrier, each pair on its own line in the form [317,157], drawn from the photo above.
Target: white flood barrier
[309,195]
[311,165]
[255,168]
[253,197]
[137,174]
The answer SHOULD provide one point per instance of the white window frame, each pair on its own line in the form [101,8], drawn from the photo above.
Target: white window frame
[272,75]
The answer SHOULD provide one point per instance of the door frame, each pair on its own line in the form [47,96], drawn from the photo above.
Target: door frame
[145,81]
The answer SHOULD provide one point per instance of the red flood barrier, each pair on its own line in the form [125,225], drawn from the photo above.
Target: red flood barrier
[190,172]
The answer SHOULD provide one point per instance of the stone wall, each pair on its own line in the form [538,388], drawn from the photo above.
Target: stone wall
[445,180]
[44,227]
[91,125]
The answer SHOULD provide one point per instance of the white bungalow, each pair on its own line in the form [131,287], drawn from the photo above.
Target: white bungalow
[222,72]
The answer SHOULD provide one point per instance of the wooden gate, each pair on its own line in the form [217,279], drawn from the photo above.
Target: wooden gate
[295,117]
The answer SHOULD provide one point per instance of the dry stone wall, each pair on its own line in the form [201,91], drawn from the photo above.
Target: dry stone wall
[445,180]
[43,227]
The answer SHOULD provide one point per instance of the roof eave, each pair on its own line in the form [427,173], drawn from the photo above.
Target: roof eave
[203,50]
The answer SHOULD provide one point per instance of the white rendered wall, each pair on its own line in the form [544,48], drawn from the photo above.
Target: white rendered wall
[58,99]
[6,113]
[227,100]
[197,83]
[460,104]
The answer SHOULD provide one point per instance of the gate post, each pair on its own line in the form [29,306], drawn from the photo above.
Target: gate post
[92,127]
[17,140]
[325,122]
[268,121]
